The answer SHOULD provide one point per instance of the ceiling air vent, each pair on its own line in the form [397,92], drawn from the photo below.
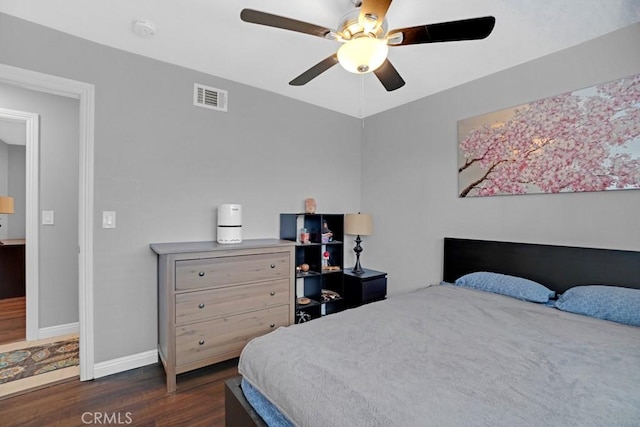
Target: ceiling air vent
[209,97]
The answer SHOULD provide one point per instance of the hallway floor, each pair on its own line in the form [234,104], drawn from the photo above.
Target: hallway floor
[12,337]
[13,319]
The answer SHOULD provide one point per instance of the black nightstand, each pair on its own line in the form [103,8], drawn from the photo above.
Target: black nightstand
[364,288]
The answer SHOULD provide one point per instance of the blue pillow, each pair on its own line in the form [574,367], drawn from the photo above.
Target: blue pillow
[613,303]
[512,286]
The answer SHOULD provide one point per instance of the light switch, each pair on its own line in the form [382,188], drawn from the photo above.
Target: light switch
[48,218]
[108,219]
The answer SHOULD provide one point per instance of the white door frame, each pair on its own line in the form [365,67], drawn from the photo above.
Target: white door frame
[85,93]
[32,149]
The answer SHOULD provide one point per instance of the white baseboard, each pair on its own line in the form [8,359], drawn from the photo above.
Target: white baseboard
[121,364]
[109,367]
[58,330]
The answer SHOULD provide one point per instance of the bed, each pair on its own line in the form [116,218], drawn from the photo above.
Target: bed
[471,350]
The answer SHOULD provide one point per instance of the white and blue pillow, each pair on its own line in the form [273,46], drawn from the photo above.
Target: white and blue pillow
[613,303]
[516,287]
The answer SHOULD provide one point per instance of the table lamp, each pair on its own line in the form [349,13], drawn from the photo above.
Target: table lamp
[6,205]
[359,225]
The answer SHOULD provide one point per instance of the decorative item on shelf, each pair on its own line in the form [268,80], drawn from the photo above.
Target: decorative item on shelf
[304,300]
[327,235]
[6,205]
[302,316]
[310,205]
[358,225]
[305,237]
[328,295]
[325,263]
[304,268]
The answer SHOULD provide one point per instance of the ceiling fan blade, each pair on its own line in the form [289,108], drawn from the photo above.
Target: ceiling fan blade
[263,18]
[315,71]
[466,29]
[389,76]
[376,9]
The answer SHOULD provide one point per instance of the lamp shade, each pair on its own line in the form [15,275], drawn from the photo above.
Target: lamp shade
[363,54]
[6,205]
[358,224]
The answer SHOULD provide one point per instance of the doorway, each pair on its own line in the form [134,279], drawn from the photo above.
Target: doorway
[85,94]
[29,231]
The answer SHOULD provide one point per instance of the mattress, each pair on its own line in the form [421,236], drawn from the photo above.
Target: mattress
[450,356]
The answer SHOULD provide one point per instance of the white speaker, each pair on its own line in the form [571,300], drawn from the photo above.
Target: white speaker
[229,223]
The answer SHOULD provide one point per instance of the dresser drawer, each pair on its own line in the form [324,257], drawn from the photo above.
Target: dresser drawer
[226,335]
[222,271]
[200,305]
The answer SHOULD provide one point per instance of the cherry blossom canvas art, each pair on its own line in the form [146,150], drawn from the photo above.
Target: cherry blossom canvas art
[586,140]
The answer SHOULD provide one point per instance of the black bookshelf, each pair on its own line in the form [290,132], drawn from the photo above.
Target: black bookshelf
[323,282]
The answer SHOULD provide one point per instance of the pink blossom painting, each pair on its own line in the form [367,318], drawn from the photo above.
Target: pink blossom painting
[586,140]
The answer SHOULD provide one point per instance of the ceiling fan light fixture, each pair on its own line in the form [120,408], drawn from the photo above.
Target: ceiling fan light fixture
[350,27]
[363,54]
[366,40]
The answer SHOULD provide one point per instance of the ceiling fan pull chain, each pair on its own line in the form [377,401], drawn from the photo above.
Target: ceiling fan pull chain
[362,99]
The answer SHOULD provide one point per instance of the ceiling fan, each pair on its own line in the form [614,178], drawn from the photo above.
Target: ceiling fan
[366,41]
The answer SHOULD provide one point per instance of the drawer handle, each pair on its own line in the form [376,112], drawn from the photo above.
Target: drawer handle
[201,274]
[272,293]
[273,325]
[273,266]
[201,305]
[201,342]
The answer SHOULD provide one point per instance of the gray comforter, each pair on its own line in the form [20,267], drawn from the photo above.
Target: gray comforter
[449,356]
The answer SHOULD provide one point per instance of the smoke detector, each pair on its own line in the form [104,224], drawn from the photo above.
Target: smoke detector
[144,27]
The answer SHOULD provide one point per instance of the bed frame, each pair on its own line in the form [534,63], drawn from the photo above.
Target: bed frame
[237,410]
[557,267]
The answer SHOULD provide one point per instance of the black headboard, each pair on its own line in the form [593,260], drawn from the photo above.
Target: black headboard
[557,267]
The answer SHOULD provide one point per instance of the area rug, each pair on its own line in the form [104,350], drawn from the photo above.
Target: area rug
[18,364]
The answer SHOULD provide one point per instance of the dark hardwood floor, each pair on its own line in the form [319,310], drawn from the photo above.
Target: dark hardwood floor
[13,319]
[138,397]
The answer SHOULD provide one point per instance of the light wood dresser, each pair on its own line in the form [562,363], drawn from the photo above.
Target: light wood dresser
[213,298]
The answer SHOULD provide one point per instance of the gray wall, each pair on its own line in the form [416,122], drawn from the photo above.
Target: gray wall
[58,249]
[16,169]
[12,183]
[164,165]
[4,185]
[410,170]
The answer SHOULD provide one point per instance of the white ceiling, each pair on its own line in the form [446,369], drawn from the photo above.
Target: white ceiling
[210,37]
